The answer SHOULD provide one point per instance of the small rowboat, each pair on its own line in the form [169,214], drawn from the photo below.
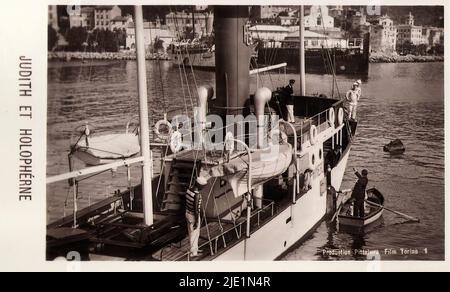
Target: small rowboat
[373,213]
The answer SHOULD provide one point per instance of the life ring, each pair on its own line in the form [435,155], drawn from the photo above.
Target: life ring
[158,131]
[176,141]
[313,135]
[331,117]
[341,116]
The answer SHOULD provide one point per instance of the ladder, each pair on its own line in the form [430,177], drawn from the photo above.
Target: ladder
[178,182]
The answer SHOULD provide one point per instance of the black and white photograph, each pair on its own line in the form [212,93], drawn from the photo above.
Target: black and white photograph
[245,133]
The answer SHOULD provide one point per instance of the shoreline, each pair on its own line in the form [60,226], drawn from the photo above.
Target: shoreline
[80,56]
[379,58]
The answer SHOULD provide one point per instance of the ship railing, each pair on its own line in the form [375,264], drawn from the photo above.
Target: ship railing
[235,233]
[321,121]
[75,177]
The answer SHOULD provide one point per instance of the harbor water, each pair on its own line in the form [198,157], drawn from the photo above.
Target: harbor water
[404,101]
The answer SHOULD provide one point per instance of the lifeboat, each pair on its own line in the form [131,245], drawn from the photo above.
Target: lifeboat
[266,164]
[99,150]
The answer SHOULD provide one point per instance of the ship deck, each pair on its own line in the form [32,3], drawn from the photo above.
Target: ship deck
[217,235]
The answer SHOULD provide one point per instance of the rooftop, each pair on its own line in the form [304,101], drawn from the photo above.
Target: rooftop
[120,18]
[104,7]
[312,34]
[273,28]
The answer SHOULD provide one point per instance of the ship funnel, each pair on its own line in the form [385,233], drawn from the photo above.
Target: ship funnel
[233,51]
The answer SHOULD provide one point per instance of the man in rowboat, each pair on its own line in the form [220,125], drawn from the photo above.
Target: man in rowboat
[359,193]
[193,212]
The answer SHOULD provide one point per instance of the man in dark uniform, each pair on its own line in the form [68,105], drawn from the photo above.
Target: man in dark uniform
[289,100]
[193,212]
[359,193]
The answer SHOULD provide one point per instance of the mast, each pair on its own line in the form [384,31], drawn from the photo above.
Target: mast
[193,22]
[301,13]
[147,199]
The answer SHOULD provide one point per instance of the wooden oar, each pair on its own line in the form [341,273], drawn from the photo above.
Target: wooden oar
[337,213]
[393,211]
[340,207]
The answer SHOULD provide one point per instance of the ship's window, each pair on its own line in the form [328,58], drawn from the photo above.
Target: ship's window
[223,183]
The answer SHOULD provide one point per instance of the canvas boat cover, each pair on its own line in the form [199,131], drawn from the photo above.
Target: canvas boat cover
[111,146]
[266,164]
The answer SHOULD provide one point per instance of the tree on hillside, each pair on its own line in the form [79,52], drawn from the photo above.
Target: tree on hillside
[158,45]
[421,50]
[405,47]
[76,37]
[52,38]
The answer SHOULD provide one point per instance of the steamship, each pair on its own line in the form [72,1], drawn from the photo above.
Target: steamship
[261,199]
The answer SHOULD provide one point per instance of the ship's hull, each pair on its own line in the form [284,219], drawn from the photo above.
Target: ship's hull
[290,227]
[203,61]
[317,61]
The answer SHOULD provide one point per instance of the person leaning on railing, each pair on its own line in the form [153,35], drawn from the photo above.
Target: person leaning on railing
[352,98]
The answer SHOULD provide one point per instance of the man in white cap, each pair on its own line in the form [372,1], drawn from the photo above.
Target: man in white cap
[352,98]
[359,88]
[193,212]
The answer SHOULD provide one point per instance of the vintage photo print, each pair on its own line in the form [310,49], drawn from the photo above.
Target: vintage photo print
[271,132]
[204,132]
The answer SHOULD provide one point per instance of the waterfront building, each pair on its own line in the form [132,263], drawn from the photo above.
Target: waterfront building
[288,20]
[271,35]
[314,40]
[383,35]
[104,14]
[336,11]
[121,22]
[319,18]
[84,18]
[269,11]
[152,33]
[432,36]
[409,32]
[359,21]
[180,23]
[53,17]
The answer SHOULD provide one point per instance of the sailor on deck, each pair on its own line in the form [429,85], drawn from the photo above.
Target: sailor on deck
[359,82]
[289,92]
[352,97]
[359,193]
[193,212]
